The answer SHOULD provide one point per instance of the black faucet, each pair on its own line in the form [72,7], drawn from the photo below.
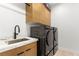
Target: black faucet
[15,33]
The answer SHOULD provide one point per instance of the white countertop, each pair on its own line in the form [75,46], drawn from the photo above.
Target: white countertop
[4,46]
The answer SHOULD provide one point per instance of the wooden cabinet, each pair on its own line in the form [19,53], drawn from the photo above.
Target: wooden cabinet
[31,52]
[37,13]
[26,50]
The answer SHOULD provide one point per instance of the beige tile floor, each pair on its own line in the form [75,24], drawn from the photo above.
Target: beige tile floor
[66,52]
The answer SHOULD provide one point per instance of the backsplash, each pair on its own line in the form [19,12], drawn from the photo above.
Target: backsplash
[10,18]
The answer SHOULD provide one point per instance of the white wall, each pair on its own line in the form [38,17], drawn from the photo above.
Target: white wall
[8,19]
[66,18]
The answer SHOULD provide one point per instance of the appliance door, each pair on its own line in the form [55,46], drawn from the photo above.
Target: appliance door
[49,41]
[55,32]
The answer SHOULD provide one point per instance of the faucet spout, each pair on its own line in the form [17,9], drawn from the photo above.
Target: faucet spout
[16,33]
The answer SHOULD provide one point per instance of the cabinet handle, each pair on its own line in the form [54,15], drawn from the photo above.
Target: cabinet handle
[27,4]
[28,49]
[20,53]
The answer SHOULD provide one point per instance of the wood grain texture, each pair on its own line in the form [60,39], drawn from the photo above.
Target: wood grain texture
[38,13]
[16,51]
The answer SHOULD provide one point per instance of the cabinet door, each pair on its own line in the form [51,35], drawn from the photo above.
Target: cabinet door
[31,52]
[29,12]
[44,15]
[37,13]
[8,53]
[13,52]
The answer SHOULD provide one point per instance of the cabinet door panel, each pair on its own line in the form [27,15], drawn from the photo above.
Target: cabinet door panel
[12,52]
[39,14]
[35,16]
[31,52]
[29,12]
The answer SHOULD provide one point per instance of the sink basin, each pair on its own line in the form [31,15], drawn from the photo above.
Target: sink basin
[16,40]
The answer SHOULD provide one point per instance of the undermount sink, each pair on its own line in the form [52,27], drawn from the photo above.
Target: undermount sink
[17,40]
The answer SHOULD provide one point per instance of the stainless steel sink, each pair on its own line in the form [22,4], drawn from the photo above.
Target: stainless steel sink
[16,40]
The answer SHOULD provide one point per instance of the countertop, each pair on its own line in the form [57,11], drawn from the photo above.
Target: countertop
[5,47]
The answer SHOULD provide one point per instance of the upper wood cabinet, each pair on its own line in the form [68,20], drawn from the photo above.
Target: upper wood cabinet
[37,13]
